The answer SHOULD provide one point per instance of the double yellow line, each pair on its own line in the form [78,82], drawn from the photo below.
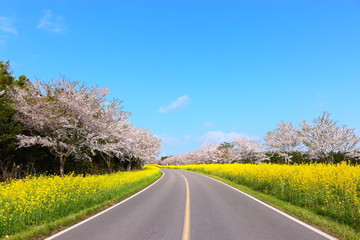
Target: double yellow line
[186,230]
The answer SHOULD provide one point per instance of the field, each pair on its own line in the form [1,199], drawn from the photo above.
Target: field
[38,200]
[329,190]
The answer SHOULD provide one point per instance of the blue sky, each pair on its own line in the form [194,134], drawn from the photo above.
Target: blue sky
[193,71]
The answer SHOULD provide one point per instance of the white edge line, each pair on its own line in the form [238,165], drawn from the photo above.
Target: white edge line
[106,210]
[275,209]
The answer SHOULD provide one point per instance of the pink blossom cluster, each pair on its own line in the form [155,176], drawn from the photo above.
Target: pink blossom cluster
[71,119]
[320,140]
[239,150]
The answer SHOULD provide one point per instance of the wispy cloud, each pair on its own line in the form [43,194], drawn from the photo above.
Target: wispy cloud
[168,139]
[208,124]
[52,23]
[6,26]
[187,136]
[6,29]
[181,102]
[219,136]
[322,100]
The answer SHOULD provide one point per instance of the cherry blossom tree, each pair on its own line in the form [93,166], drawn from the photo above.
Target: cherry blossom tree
[239,150]
[108,145]
[349,143]
[172,160]
[246,150]
[284,140]
[325,137]
[210,153]
[194,157]
[109,141]
[142,145]
[63,116]
[225,152]
[121,140]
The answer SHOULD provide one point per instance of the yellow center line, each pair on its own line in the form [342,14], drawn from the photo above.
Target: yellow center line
[186,230]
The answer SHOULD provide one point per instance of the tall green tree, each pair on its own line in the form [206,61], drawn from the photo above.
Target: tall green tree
[8,127]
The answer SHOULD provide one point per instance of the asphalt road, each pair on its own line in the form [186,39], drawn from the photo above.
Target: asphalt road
[185,205]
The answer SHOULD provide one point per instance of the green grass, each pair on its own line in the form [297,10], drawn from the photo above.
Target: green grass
[47,229]
[326,224]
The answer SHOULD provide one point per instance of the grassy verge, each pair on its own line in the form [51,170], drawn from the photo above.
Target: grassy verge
[326,224]
[46,229]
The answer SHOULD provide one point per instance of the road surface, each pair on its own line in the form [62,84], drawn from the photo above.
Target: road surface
[185,205]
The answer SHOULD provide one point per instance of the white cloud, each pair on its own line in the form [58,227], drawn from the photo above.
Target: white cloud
[208,124]
[178,103]
[52,23]
[187,136]
[6,29]
[6,26]
[168,140]
[322,100]
[219,136]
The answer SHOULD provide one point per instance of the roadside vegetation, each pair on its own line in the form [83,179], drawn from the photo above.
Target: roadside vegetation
[313,167]
[59,138]
[330,190]
[64,126]
[66,151]
[322,141]
[40,200]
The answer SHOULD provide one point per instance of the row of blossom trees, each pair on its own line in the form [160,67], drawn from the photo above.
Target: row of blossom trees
[241,150]
[322,140]
[72,120]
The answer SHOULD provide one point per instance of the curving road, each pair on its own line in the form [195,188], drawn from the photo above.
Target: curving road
[186,205]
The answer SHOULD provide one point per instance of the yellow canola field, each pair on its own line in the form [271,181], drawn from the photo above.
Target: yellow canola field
[331,190]
[36,200]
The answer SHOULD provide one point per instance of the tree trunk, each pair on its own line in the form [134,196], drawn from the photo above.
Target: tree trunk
[108,163]
[128,168]
[332,158]
[4,172]
[62,164]
[9,171]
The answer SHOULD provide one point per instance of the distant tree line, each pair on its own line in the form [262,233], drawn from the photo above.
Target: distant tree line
[322,141]
[64,126]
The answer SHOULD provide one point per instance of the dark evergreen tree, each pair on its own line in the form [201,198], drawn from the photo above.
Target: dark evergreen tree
[8,127]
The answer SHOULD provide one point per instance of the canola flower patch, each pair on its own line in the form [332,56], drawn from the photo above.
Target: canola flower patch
[331,190]
[36,200]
